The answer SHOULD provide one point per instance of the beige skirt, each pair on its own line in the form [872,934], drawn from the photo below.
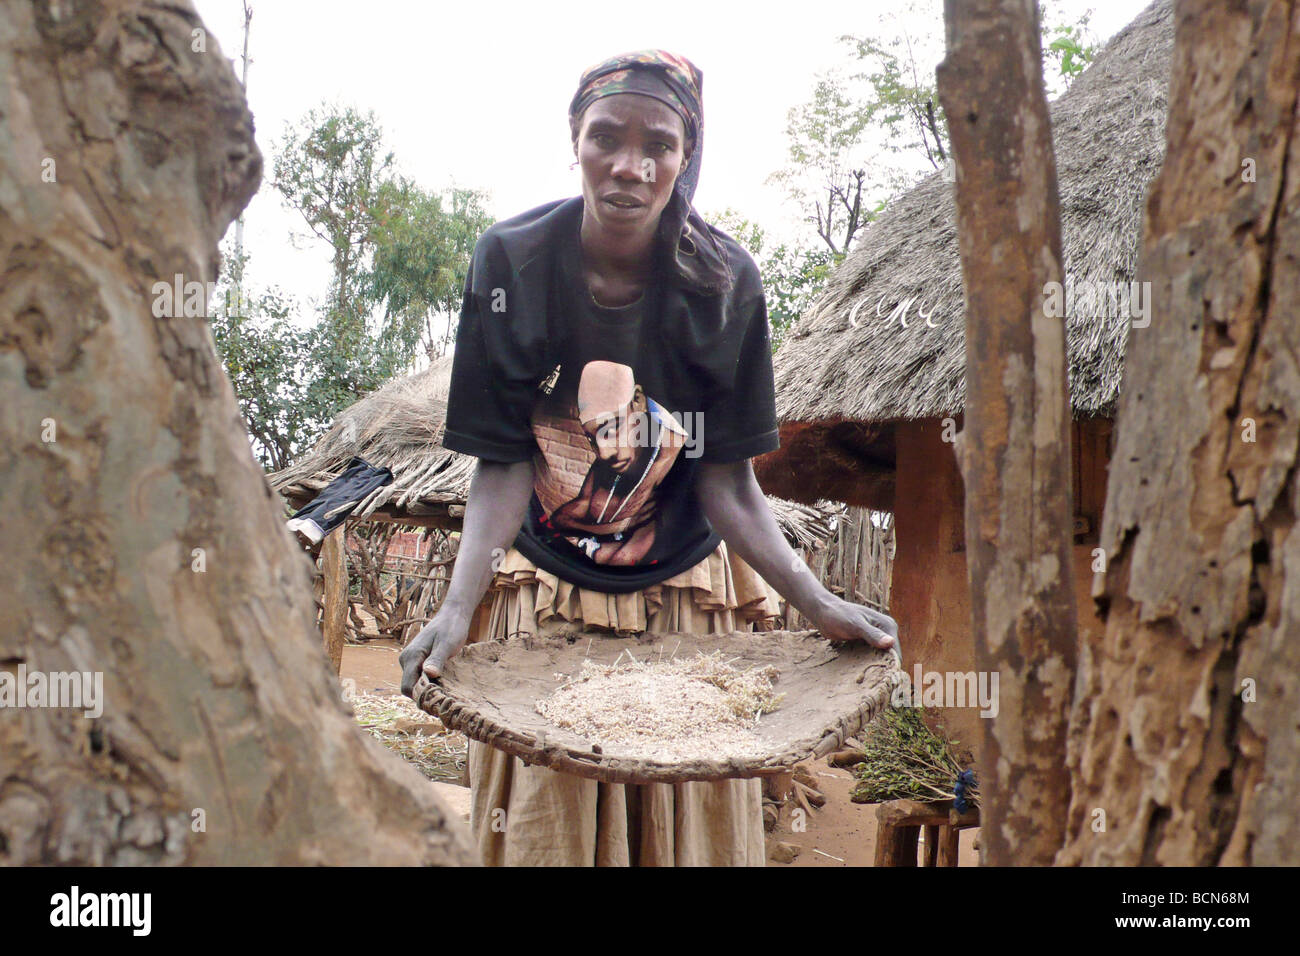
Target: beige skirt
[532,816]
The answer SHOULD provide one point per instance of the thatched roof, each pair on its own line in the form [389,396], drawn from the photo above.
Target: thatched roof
[400,428]
[838,365]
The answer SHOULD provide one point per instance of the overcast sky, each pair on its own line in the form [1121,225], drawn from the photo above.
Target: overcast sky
[476,93]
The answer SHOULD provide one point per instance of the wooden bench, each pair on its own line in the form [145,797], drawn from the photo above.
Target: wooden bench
[899,824]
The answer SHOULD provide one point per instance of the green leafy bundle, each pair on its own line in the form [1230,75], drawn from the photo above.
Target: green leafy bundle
[905,760]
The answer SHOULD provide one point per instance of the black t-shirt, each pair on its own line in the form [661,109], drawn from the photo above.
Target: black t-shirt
[621,411]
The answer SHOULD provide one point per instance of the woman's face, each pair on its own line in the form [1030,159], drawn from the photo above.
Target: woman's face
[631,148]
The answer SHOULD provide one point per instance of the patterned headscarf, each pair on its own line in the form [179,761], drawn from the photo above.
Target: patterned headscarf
[676,82]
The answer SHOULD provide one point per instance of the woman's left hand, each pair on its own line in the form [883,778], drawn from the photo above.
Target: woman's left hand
[842,620]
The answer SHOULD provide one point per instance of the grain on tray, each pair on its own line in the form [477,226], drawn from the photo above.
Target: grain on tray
[693,708]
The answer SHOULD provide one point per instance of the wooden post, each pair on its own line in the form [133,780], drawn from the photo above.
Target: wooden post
[895,844]
[1014,448]
[949,843]
[899,823]
[931,844]
[334,620]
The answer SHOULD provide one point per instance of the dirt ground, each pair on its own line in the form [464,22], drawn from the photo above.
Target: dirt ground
[373,666]
[842,833]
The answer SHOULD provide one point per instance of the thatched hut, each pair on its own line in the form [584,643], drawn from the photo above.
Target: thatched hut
[870,381]
[400,427]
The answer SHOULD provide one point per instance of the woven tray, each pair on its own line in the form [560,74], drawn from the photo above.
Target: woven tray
[831,691]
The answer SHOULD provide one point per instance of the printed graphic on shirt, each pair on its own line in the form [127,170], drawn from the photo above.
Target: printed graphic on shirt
[601,463]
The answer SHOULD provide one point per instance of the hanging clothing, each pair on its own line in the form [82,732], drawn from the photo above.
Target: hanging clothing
[336,501]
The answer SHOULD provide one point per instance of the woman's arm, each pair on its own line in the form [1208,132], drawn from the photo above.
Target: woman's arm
[494,513]
[738,510]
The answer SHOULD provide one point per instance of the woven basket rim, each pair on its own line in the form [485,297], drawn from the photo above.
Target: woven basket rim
[461,715]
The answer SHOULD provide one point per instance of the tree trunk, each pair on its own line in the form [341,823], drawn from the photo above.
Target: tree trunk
[142,541]
[1184,748]
[1014,449]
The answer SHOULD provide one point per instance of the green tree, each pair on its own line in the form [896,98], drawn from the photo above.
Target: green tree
[794,275]
[331,169]
[1068,47]
[901,102]
[825,174]
[872,128]
[268,360]
[399,255]
[423,242]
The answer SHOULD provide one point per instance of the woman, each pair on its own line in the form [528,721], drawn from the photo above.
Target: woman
[613,376]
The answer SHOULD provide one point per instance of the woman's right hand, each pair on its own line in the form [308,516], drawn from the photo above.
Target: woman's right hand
[494,513]
[439,641]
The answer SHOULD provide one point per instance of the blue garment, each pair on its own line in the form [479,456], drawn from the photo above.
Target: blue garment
[965,784]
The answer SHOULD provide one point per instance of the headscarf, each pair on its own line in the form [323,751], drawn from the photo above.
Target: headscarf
[688,246]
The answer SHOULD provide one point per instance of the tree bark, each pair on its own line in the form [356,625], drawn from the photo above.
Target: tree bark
[1184,744]
[1014,449]
[142,540]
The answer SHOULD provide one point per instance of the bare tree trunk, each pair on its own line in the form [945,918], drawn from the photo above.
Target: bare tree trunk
[1014,449]
[141,539]
[1184,748]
